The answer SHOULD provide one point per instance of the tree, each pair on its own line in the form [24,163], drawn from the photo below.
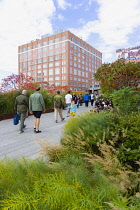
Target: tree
[118,75]
[14,82]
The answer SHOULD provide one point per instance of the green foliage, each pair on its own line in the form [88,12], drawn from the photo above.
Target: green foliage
[92,126]
[127,100]
[43,186]
[7,100]
[118,75]
[126,128]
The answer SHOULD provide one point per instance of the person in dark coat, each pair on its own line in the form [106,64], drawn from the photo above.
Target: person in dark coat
[21,106]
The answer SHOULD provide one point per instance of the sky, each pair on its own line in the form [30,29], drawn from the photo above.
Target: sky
[107,25]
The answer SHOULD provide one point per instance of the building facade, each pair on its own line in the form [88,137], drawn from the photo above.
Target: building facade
[131,54]
[61,59]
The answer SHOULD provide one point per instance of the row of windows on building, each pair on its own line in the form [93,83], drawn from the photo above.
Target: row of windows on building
[55,46]
[74,55]
[56,71]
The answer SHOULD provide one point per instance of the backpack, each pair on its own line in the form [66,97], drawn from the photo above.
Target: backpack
[58,105]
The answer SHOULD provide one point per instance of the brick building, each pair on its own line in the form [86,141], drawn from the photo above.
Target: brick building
[61,59]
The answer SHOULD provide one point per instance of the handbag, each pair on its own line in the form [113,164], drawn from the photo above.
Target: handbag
[16,119]
[58,104]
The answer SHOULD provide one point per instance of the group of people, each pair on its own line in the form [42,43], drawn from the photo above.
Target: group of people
[36,105]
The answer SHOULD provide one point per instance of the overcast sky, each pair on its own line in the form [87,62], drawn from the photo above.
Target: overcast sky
[107,25]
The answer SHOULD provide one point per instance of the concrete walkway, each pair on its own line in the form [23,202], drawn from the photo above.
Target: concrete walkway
[16,145]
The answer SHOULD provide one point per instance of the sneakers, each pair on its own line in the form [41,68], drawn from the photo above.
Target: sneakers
[67,115]
[56,121]
[63,119]
[24,126]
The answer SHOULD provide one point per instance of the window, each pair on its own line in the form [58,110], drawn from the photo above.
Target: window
[44,72]
[71,63]
[63,50]
[75,71]
[57,70]
[38,79]
[75,64]
[71,78]
[63,62]
[83,80]
[63,70]
[63,77]
[57,83]
[71,83]
[50,78]
[50,58]
[50,64]
[50,71]
[63,56]
[39,66]
[79,73]
[63,44]
[57,78]
[75,78]
[44,48]
[44,60]
[44,43]
[75,83]
[71,71]
[39,56]
[39,61]
[44,54]
[63,38]
[39,73]
[45,65]
[57,57]
[63,83]
[83,73]
[57,39]
[79,79]
[86,74]
[39,50]
[50,41]
[57,63]
[57,45]
[50,47]
[39,44]
[57,52]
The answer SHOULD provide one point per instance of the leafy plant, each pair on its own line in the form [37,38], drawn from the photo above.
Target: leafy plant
[127,100]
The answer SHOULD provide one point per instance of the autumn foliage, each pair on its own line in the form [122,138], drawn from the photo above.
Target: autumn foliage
[16,82]
[118,75]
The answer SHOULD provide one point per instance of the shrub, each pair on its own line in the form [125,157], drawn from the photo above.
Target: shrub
[88,127]
[127,100]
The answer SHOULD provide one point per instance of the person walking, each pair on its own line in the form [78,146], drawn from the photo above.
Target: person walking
[72,109]
[21,106]
[36,107]
[86,99]
[58,105]
[68,99]
[92,99]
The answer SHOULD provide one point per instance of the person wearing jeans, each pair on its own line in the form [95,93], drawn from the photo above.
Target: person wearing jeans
[21,106]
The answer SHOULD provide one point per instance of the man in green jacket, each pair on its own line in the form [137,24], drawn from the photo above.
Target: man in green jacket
[36,107]
[21,106]
[58,105]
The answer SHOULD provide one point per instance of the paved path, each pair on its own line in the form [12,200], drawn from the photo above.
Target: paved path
[15,145]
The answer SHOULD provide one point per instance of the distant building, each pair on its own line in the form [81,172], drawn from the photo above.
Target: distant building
[61,59]
[129,54]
